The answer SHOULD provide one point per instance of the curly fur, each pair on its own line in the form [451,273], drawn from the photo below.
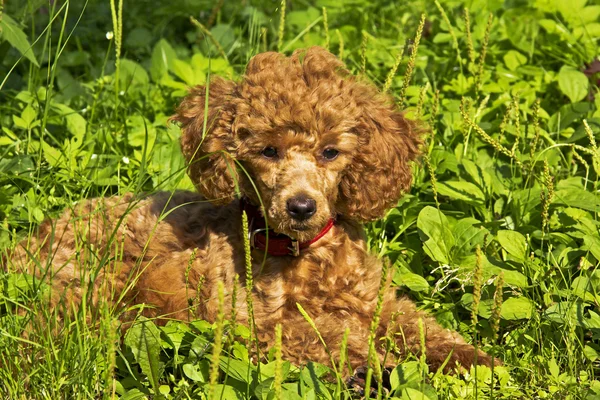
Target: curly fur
[168,251]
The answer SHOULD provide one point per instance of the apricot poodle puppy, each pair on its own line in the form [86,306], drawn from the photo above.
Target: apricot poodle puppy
[305,150]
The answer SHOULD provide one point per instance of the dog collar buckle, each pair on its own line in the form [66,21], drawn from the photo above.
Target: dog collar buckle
[252,236]
[295,248]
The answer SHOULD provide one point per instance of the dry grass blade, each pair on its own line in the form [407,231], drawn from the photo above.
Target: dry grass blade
[210,36]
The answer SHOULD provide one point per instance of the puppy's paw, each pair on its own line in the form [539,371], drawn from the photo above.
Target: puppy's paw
[357,383]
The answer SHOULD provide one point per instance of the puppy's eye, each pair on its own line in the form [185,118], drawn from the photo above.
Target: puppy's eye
[330,154]
[269,152]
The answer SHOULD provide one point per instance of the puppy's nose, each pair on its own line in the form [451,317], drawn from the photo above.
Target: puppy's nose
[301,207]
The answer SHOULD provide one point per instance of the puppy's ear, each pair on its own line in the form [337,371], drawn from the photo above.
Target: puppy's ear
[207,139]
[380,172]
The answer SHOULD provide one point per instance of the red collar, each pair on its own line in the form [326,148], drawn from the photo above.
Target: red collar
[276,244]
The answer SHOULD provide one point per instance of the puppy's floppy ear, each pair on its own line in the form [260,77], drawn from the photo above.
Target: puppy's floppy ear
[207,138]
[380,172]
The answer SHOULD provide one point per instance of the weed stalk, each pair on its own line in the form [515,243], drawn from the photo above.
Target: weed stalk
[363,53]
[411,61]
[281,25]
[218,343]
[117,20]
[278,381]
[214,13]
[491,141]
[546,196]
[372,357]
[341,45]
[484,47]
[326,27]
[470,49]
[495,322]
[421,100]
[450,31]
[536,129]
[433,178]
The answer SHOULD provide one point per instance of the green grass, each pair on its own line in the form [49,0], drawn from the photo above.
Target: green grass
[511,167]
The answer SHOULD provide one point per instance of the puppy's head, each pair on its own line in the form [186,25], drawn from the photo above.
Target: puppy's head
[302,135]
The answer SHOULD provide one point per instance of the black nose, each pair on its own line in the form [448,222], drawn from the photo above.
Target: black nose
[301,207]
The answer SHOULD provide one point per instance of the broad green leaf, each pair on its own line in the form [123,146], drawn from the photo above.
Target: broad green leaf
[565,312]
[553,368]
[134,394]
[481,177]
[38,215]
[593,322]
[13,34]
[461,190]
[53,156]
[434,230]
[240,370]
[484,309]
[310,376]
[268,370]
[173,332]
[583,287]
[140,133]
[17,284]
[28,115]
[492,267]
[20,122]
[163,56]
[9,138]
[591,353]
[16,165]
[414,282]
[514,243]
[197,372]
[132,75]
[226,392]
[290,394]
[301,19]
[513,59]
[407,374]
[185,72]
[467,235]
[413,394]
[263,389]
[573,83]
[144,340]
[517,308]
[76,125]
[576,197]
[164,390]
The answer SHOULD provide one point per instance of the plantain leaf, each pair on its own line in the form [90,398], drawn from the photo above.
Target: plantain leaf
[573,83]
[461,190]
[434,230]
[144,340]
[514,243]
[516,308]
[162,59]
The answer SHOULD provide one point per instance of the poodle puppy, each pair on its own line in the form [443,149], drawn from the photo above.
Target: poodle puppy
[309,153]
